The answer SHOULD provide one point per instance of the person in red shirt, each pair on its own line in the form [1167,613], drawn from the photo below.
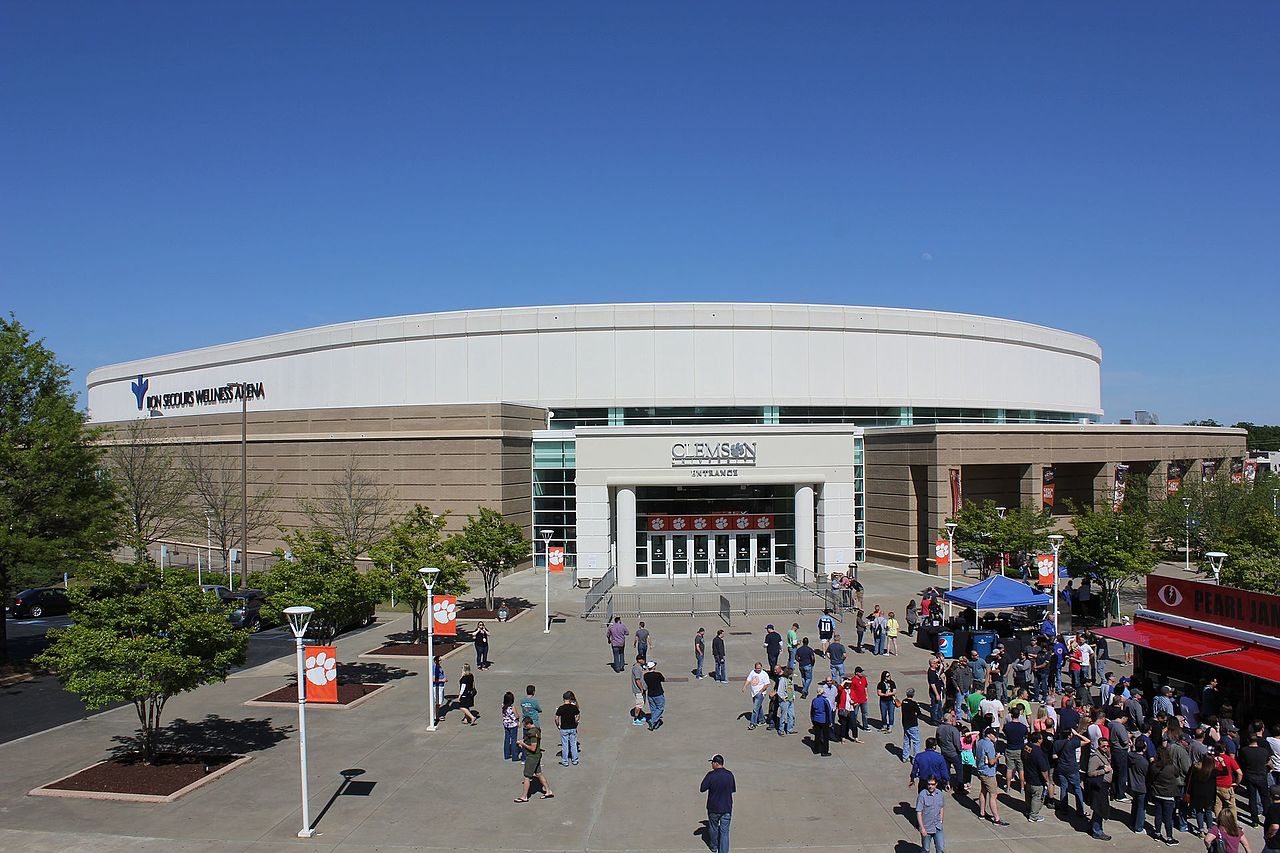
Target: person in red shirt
[858,699]
[1226,775]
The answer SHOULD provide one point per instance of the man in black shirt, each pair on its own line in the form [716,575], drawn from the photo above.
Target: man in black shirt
[937,691]
[567,721]
[717,654]
[657,698]
[910,725]
[720,787]
[1035,764]
[1254,759]
[1271,823]
[805,659]
[772,646]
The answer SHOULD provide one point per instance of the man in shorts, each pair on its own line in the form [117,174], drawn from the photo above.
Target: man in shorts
[984,755]
[637,691]
[532,746]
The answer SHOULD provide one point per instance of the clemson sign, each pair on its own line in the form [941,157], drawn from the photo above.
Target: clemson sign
[555,559]
[444,615]
[320,671]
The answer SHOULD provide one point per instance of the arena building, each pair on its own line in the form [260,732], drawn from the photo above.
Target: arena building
[671,441]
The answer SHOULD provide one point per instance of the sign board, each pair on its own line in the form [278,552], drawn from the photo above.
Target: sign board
[711,523]
[942,552]
[321,673]
[1044,568]
[444,615]
[555,558]
[1222,605]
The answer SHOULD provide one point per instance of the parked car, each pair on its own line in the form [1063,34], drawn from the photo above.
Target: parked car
[352,617]
[245,609]
[42,601]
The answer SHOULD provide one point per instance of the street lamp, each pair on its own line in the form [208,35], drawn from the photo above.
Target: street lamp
[1055,542]
[429,575]
[951,559]
[1275,493]
[299,617]
[546,534]
[1215,560]
[1186,505]
[1000,511]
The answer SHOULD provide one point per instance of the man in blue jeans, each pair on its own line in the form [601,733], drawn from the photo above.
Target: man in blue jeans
[758,683]
[805,659]
[719,786]
[836,656]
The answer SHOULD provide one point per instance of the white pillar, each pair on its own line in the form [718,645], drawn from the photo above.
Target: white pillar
[804,556]
[625,525]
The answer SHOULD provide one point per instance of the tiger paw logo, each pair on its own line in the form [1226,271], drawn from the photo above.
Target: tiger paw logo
[741,522]
[678,524]
[700,523]
[321,669]
[444,612]
[659,523]
[722,523]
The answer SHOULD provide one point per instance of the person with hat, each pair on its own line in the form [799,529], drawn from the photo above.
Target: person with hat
[1098,773]
[821,714]
[719,786]
[987,761]
[657,697]
[772,646]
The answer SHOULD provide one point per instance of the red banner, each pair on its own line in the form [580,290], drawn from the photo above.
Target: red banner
[1173,477]
[720,522]
[555,559]
[1044,569]
[321,673]
[1237,469]
[444,615]
[957,492]
[1222,605]
[942,552]
[1251,469]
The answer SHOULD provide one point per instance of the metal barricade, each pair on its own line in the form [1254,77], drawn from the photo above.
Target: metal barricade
[597,593]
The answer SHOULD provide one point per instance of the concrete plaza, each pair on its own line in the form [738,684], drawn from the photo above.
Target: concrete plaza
[451,790]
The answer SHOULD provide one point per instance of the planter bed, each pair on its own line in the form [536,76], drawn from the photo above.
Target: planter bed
[129,779]
[478,614]
[414,650]
[349,696]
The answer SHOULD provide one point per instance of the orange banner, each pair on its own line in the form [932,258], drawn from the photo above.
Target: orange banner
[444,615]
[1044,568]
[321,673]
[555,559]
[942,552]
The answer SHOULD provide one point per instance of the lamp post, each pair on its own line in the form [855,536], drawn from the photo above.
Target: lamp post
[1186,506]
[1215,560]
[299,617]
[951,560]
[429,575]
[1000,511]
[546,534]
[1275,493]
[1055,542]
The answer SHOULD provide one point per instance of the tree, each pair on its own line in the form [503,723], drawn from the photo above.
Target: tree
[492,547]
[1206,422]
[1261,436]
[983,537]
[415,542]
[213,475]
[1111,548]
[55,508]
[318,574]
[1233,517]
[355,508]
[139,639]
[151,484]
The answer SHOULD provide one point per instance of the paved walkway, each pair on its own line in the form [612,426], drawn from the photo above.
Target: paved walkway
[450,789]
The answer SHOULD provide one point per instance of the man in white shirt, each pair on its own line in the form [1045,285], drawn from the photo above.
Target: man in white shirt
[1086,660]
[993,708]
[758,682]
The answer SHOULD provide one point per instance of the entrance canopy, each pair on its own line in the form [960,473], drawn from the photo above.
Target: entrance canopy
[998,593]
[1226,652]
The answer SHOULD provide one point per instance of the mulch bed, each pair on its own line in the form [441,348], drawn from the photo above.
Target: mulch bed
[347,693]
[130,775]
[415,649]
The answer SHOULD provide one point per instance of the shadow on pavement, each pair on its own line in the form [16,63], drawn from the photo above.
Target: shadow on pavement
[212,735]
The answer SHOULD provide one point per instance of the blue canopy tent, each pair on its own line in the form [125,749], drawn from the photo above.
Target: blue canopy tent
[998,593]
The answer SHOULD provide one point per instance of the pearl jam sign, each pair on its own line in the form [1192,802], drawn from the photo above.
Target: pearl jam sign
[1222,605]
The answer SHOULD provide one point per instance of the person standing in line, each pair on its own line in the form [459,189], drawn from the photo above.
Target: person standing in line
[910,725]
[1164,790]
[1038,773]
[699,652]
[785,690]
[930,805]
[1226,775]
[860,623]
[826,629]
[1254,759]
[481,640]
[879,631]
[912,617]
[467,695]
[657,696]
[887,691]
[962,682]
[532,746]
[858,697]
[438,682]
[1015,738]
[1138,768]
[530,707]
[1066,749]
[758,683]
[937,691]
[947,736]
[984,756]
[820,714]
[772,717]
[616,634]
[805,658]
[510,729]
[717,655]
[772,646]
[567,716]
[836,656]
[846,592]
[891,629]
[1098,772]
[641,641]
[1228,831]
[1271,823]
[793,643]
[638,716]
[927,764]
[857,587]
[720,787]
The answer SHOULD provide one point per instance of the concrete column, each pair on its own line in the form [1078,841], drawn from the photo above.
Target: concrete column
[1029,483]
[625,525]
[804,528]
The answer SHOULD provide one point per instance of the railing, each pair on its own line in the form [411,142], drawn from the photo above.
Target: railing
[598,591]
[812,583]
[714,603]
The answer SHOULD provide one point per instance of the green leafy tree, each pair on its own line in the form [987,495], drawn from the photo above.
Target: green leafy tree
[1233,517]
[1261,436]
[139,639]
[1111,548]
[492,547]
[416,541]
[982,536]
[318,573]
[55,507]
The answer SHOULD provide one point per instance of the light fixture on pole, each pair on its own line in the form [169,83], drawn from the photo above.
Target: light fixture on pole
[1000,511]
[1055,542]
[1186,506]
[951,559]
[299,617]
[1275,494]
[1215,560]
[208,541]
[546,534]
[429,575]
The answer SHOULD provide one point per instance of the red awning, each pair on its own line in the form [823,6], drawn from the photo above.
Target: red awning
[1235,655]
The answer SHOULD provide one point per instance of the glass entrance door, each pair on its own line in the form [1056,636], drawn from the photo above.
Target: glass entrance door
[658,555]
[679,550]
[742,563]
[722,553]
[763,548]
[701,555]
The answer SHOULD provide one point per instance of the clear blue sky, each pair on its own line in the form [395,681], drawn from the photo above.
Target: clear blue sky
[180,174]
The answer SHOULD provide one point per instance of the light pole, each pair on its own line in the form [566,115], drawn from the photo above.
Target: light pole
[546,534]
[1215,560]
[208,540]
[299,617]
[1055,542]
[429,575]
[1000,511]
[951,560]
[1186,506]
[1275,493]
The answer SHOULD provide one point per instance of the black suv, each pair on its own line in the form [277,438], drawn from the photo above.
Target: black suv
[44,601]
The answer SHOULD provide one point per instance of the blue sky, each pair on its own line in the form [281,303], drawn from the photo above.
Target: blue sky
[176,174]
